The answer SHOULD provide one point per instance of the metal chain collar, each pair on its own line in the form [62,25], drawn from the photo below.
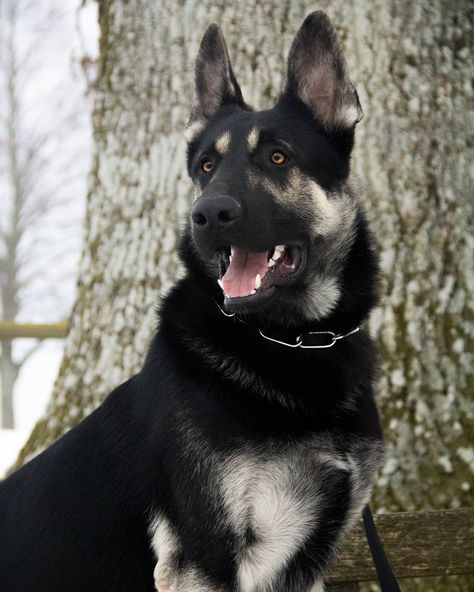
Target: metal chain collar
[300,340]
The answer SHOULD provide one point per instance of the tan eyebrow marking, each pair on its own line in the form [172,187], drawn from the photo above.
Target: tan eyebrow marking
[252,139]
[222,144]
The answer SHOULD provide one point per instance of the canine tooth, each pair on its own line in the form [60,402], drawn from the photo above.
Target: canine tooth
[231,251]
[271,263]
[252,292]
[280,248]
[221,285]
[276,255]
[258,281]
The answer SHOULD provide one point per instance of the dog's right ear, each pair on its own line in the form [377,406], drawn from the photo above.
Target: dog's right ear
[215,83]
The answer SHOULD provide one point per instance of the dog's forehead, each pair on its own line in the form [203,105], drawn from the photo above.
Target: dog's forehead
[231,131]
[244,130]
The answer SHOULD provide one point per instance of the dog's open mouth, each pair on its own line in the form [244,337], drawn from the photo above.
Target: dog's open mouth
[247,273]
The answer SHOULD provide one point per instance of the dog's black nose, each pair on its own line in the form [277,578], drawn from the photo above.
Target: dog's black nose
[215,211]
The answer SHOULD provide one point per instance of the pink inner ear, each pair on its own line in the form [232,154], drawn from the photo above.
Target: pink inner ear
[321,89]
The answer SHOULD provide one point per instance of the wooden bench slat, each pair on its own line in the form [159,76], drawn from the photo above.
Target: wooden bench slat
[417,544]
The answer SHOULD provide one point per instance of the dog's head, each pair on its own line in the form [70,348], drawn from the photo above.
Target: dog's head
[274,223]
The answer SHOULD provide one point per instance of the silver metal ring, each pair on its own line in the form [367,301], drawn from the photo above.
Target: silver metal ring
[333,340]
[347,334]
[297,344]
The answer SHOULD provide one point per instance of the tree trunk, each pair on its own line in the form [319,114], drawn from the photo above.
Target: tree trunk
[410,63]
[8,376]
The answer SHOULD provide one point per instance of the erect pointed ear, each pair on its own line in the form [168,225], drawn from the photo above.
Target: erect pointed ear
[317,74]
[215,82]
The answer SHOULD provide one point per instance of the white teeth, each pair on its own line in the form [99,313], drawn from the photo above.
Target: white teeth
[258,281]
[232,251]
[271,263]
[230,259]
[278,252]
[252,292]
[221,285]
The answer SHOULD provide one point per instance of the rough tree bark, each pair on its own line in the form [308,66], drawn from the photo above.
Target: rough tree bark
[410,62]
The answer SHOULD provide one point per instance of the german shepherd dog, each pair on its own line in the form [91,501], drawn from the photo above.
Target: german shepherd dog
[239,456]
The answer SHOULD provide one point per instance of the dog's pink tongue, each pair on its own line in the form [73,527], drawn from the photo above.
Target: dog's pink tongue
[239,279]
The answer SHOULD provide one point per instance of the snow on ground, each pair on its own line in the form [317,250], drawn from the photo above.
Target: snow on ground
[32,393]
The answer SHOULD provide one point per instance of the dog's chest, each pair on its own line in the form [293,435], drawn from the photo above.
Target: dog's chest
[271,502]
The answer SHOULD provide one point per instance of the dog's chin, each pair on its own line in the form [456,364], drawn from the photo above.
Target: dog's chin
[277,306]
[252,303]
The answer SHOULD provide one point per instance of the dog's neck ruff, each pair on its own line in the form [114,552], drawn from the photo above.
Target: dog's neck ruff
[304,340]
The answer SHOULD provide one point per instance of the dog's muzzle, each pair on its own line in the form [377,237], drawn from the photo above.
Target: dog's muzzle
[212,218]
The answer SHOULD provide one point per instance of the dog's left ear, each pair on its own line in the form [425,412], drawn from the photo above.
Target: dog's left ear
[317,74]
[215,82]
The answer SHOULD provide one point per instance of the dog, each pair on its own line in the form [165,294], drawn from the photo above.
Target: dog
[237,459]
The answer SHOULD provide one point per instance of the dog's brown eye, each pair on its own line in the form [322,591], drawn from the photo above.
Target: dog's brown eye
[278,157]
[207,165]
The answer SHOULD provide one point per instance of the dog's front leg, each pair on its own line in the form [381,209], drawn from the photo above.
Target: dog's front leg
[310,565]
[167,547]
[164,577]
[172,573]
[343,494]
[187,579]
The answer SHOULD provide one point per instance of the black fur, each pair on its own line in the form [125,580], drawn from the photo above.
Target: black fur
[212,389]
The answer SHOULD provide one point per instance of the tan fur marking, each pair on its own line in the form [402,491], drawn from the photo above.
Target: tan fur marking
[322,296]
[327,213]
[252,139]
[348,116]
[283,194]
[222,143]
[304,195]
[193,130]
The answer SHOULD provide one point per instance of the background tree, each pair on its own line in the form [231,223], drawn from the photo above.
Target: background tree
[40,177]
[410,63]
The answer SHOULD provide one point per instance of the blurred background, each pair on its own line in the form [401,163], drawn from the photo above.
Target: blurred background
[94,97]
[48,50]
